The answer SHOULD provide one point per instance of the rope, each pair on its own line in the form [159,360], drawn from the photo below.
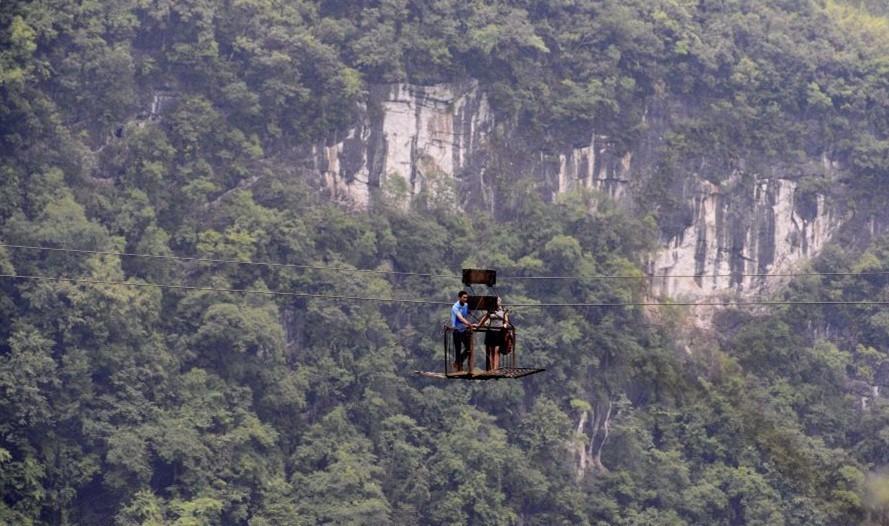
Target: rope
[702,304]
[696,276]
[226,261]
[434,275]
[432,302]
[221,289]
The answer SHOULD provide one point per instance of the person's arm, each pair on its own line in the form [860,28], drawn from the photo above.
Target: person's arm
[505,319]
[463,320]
[484,319]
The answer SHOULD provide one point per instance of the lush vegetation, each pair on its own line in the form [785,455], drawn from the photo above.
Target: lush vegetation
[144,406]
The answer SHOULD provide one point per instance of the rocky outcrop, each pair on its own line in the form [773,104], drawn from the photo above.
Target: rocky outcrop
[434,142]
[594,166]
[732,236]
[411,141]
[742,231]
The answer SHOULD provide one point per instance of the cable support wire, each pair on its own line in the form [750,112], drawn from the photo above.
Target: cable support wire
[294,294]
[225,261]
[702,276]
[312,295]
[434,275]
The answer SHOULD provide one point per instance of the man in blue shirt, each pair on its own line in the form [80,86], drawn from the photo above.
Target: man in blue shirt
[462,329]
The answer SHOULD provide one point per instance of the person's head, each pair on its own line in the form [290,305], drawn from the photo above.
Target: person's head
[499,302]
[463,296]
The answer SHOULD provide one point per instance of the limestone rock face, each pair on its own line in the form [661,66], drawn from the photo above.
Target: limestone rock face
[410,141]
[594,166]
[436,143]
[742,231]
[731,235]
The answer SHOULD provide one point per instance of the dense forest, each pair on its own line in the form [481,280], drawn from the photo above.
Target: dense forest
[135,405]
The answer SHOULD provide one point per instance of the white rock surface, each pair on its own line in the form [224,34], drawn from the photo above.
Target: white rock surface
[436,138]
[723,247]
[426,132]
[595,167]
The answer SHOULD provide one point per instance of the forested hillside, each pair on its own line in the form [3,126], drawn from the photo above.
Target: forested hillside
[129,404]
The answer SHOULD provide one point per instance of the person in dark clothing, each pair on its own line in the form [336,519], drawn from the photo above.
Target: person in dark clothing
[497,322]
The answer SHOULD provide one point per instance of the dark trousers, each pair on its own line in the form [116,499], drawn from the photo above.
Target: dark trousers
[461,346]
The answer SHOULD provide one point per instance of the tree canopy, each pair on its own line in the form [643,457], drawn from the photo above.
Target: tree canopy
[164,127]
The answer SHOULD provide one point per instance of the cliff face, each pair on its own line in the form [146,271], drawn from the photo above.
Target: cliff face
[741,231]
[432,142]
[409,141]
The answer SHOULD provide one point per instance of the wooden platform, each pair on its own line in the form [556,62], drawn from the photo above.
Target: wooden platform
[481,374]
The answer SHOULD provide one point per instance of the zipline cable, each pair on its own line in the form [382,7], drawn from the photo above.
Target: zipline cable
[703,276]
[219,289]
[433,302]
[226,261]
[434,275]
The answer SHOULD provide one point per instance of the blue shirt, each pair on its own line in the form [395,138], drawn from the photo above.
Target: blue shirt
[458,325]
